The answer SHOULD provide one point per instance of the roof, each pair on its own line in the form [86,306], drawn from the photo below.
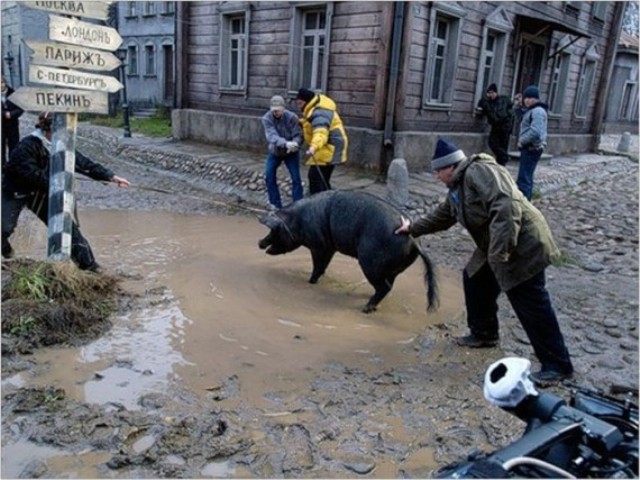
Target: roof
[628,41]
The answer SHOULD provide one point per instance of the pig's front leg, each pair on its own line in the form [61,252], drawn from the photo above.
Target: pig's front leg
[321,259]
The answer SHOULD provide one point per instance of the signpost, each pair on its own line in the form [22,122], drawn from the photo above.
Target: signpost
[91,9]
[73,79]
[72,56]
[87,92]
[76,32]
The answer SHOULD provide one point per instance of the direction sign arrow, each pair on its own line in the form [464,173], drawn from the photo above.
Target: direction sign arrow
[99,10]
[60,100]
[69,30]
[61,55]
[73,79]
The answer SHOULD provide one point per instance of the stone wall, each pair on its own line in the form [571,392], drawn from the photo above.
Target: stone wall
[365,145]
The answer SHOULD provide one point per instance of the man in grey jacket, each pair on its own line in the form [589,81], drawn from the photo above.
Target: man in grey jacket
[533,138]
[284,135]
[513,248]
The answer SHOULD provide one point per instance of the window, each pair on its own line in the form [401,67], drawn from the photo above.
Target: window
[150,60]
[495,38]
[168,8]
[309,57]
[585,82]
[599,10]
[132,60]
[234,51]
[149,8]
[629,104]
[131,10]
[442,55]
[558,85]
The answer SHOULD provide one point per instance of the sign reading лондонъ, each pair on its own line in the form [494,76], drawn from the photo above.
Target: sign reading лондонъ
[76,32]
[60,100]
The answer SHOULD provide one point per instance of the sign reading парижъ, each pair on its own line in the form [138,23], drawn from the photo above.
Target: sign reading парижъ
[61,55]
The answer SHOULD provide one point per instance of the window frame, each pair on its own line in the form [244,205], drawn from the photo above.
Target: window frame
[498,24]
[599,10]
[295,75]
[224,52]
[150,47]
[168,8]
[586,80]
[133,47]
[132,10]
[453,15]
[629,107]
[149,9]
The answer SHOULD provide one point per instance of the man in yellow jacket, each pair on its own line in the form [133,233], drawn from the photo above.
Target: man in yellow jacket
[325,136]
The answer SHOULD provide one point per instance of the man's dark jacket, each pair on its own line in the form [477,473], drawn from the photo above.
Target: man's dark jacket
[28,168]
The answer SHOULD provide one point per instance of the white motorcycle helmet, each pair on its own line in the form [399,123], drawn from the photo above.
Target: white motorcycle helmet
[507,382]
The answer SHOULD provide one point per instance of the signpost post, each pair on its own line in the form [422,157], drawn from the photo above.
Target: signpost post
[85,46]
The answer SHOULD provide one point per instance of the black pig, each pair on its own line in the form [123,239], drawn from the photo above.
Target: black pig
[353,223]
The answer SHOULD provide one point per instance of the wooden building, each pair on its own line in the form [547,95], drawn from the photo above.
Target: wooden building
[402,73]
[621,114]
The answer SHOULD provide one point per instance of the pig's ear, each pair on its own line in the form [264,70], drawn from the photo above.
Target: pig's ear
[271,220]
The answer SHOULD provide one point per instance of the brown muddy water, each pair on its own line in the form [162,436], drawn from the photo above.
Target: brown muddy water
[228,323]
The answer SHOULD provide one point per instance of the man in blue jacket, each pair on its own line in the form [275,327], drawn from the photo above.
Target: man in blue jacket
[533,138]
[284,135]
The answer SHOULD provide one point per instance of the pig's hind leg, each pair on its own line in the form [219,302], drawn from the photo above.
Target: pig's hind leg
[321,260]
[382,286]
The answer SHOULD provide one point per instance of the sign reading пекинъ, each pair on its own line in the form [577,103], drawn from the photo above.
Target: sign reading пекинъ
[69,30]
[90,9]
[62,55]
[60,100]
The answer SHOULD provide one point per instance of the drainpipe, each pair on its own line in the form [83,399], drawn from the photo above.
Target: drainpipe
[607,73]
[396,45]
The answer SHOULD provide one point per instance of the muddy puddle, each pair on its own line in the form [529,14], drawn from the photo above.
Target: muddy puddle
[230,326]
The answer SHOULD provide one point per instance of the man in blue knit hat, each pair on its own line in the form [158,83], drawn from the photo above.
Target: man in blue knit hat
[514,246]
[533,138]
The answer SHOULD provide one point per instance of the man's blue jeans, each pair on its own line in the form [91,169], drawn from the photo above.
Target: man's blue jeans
[528,162]
[292,162]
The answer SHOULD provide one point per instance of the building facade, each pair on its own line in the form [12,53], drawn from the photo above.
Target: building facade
[402,73]
[147,30]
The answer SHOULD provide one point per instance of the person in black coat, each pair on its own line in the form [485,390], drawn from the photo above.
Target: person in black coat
[25,183]
[10,122]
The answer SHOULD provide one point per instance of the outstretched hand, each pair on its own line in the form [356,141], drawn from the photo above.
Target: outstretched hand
[122,182]
[405,223]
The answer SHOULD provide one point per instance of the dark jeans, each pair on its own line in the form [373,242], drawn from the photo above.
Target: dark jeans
[528,161]
[10,138]
[320,178]
[532,304]
[499,142]
[12,205]
[292,162]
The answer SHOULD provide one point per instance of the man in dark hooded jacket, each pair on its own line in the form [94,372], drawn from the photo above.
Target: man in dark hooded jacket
[498,110]
[25,183]
[514,246]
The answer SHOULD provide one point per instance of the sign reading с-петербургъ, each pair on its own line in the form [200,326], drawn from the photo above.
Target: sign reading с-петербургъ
[73,79]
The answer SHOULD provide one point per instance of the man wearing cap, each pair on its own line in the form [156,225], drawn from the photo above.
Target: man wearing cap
[514,246]
[498,110]
[284,136]
[325,136]
[533,137]
[26,184]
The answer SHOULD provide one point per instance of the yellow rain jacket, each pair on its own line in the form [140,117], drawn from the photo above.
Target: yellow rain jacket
[322,128]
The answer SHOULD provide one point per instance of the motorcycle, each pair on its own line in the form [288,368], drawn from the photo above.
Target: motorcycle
[594,436]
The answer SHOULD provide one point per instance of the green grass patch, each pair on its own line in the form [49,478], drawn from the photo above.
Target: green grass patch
[158,125]
[48,303]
